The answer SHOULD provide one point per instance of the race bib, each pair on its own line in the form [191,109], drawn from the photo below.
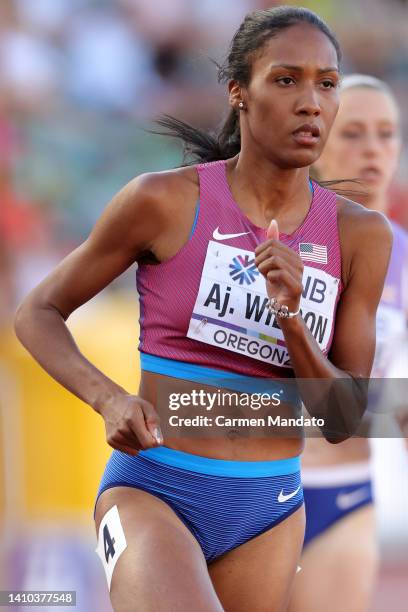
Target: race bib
[111,542]
[231,306]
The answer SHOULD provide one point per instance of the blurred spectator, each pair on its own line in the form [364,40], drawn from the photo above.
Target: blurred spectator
[108,66]
[160,21]
[26,235]
[46,16]
[30,69]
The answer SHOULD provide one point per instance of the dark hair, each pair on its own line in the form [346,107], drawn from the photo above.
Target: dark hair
[256,29]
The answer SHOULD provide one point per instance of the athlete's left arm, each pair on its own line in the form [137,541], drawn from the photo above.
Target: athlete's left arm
[369,245]
[366,237]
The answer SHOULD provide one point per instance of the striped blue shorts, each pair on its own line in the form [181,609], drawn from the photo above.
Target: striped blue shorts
[223,503]
[326,506]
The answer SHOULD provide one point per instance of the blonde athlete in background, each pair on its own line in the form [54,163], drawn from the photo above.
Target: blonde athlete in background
[339,560]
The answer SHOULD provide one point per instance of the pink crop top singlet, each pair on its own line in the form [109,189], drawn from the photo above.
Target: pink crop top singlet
[207,304]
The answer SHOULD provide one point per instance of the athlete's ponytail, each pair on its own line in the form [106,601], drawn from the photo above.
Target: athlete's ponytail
[256,29]
[200,145]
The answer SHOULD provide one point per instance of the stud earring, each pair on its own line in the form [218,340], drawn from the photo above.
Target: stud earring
[241,105]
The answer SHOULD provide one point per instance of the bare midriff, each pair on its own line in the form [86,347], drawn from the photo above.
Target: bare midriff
[319,453]
[229,445]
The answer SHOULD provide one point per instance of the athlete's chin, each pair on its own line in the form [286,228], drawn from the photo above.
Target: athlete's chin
[300,158]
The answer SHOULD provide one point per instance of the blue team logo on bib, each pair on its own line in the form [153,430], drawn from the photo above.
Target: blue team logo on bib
[243,269]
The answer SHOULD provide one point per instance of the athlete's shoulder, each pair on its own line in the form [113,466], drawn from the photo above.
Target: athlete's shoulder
[361,222]
[362,232]
[165,181]
[166,185]
[147,208]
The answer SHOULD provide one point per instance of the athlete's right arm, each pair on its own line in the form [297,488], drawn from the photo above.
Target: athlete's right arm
[133,223]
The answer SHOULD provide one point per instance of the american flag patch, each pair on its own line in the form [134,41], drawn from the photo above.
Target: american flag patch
[313,252]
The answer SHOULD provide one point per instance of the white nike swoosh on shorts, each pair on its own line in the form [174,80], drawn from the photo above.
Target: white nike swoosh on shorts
[218,236]
[344,501]
[282,497]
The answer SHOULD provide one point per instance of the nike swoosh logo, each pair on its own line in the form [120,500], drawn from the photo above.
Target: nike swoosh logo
[345,501]
[282,497]
[218,236]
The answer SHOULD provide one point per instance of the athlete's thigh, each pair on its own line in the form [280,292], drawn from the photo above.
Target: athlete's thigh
[339,567]
[163,567]
[257,575]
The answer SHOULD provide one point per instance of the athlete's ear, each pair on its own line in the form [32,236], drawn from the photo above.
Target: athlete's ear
[235,94]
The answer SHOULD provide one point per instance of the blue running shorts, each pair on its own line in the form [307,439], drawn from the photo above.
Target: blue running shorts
[223,503]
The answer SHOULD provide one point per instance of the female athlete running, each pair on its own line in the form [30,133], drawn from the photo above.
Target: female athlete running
[340,554]
[218,524]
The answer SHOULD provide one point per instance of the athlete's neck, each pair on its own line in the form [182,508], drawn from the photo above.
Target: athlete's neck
[265,192]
